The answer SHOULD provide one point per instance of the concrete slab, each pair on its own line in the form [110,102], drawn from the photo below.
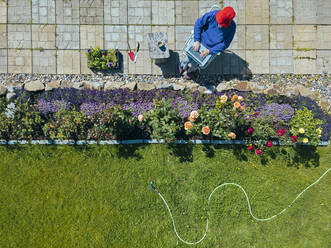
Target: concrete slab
[257,37]
[43,36]
[19,36]
[239,40]
[163,12]
[143,64]
[281,11]
[139,34]
[19,11]
[305,11]
[323,12]
[257,12]
[281,36]
[115,12]
[239,7]
[83,63]
[323,62]
[3,61]
[91,36]
[205,6]
[304,62]
[3,11]
[304,36]
[67,12]
[67,36]
[91,12]
[19,61]
[187,12]
[139,12]
[43,11]
[182,34]
[3,36]
[44,62]
[258,61]
[323,37]
[116,36]
[281,61]
[68,62]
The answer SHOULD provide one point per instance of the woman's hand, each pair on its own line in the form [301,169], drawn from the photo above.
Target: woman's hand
[196,46]
[204,53]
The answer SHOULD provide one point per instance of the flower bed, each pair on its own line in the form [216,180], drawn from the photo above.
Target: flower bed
[70,114]
[102,59]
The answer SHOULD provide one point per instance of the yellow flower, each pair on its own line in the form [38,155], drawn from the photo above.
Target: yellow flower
[305,140]
[140,118]
[301,130]
[319,131]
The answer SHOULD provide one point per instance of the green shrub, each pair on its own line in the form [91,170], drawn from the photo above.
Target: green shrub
[101,59]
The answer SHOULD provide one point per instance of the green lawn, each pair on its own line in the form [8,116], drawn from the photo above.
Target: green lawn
[99,196]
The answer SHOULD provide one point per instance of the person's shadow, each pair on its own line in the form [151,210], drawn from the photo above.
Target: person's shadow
[228,65]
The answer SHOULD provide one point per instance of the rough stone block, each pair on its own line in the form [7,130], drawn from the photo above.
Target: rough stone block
[163,12]
[257,12]
[143,64]
[115,36]
[3,61]
[323,12]
[19,61]
[281,37]
[305,36]
[91,36]
[239,39]
[19,36]
[19,11]
[67,36]
[304,62]
[239,7]
[324,37]
[43,11]
[257,37]
[187,12]
[305,11]
[68,62]
[43,36]
[116,12]
[258,61]
[3,36]
[67,12]
[139,11]
[170,30]
[44,62]
[323,61]
[3,11]
[182,34]
[91,12]
[139,34]
[281,11]
[281,61]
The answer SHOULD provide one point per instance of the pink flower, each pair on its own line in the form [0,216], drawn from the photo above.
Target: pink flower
[258,151]
[294,139]
[250,147]
[256,113]
[250,130]
[280,132]
[269,144]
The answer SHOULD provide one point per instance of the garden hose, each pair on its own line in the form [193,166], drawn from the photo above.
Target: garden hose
[248,203]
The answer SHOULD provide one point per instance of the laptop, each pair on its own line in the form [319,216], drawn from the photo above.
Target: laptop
[195,55]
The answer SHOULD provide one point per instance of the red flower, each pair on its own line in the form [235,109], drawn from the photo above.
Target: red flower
[294,139]
[280,132]
[96,138]
[250,130]
[258,151]
[27,138]
[251,147]
[269,144]
[256,113]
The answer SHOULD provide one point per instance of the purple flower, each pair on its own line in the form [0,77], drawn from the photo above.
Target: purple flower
[46,107]
[89,50]
[110,64]
[92,108]
[105,54]
[278,112]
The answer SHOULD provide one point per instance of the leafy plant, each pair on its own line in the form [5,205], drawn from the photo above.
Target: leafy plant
[101,59]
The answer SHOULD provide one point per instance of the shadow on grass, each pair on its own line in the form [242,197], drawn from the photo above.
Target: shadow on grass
[184,152]
[129,151]
[306,156]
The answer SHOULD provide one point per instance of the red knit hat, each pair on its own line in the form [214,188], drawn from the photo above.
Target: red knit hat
[224,17]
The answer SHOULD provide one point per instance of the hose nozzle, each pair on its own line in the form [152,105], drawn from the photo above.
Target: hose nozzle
[152,187]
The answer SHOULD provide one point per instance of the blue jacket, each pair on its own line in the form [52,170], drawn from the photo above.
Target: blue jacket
[216,39]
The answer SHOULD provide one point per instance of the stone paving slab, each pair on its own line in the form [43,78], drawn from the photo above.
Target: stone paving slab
[305,11]
[205,6]
[19,61]
[258,61]
[304,62]
[239,7]
[19,11]
[19,36]
[67,12]
[3,36]
[44,62]
[43,36]
[139,11]
[323,12]
[257,37]
[304,36]
[239,39]
[91,11]
[163,12]
[187,12]
[281,36]
[182,34]
[83,63]
[139,34]
[3,11]
[323,37]
[281,11]
[91,36]
[257,12]
[116,36]
[68,61]
[281,61]
[67,36]
[323,62]
[43,11]
[143,64]
[115,12]
[3,61]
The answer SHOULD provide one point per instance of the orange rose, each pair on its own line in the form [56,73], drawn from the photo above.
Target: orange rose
[188,125]
[191,119]
[232,135]
[235,97]
[242,107]
[194,114]
[236,105]
[205,130]
[223,98]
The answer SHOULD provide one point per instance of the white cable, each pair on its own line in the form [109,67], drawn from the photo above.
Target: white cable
[248,203]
